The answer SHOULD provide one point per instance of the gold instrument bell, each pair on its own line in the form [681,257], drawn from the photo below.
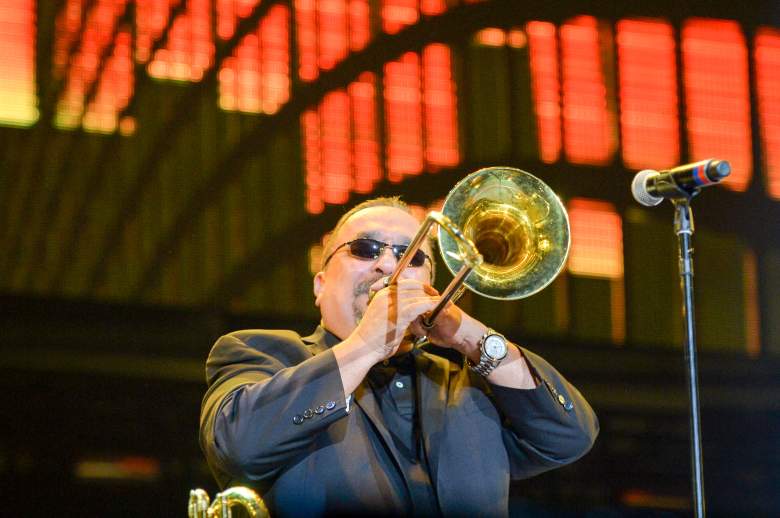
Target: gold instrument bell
[518,225]
[503,233]
[246,500]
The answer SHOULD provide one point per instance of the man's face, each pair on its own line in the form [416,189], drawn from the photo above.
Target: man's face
[341,290]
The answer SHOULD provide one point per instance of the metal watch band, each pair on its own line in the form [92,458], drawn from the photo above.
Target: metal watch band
[486,364]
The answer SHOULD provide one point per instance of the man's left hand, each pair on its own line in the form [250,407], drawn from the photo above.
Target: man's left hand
[453,328]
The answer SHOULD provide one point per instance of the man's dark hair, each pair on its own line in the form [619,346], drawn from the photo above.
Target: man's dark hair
[381,201]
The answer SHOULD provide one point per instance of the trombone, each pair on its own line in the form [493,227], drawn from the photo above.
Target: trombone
[503,234]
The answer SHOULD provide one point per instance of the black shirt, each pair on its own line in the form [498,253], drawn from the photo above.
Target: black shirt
[394,386]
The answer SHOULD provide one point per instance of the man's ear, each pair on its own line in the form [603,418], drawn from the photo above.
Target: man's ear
[319,284]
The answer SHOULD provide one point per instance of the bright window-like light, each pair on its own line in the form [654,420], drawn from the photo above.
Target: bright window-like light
[18,101]
[648,93]
[767,73]
[589,135]
[596,239]
[717,95]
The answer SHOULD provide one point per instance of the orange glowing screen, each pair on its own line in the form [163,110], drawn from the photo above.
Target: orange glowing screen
[114,89]
[767,70]
[596,239]
[83,71]
[189,50]
[67,27]
[440,108]
[588,125]
[327,31]
[18,102]
[545,87]
[365,141]
[403,117]
[397,14]
[717,95]
[648,93]
[341,147]
[256,77]
[151,17]
[229,12]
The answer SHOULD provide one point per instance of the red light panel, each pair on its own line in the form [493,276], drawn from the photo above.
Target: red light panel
[275,58]
[365,141]
[332,32]
[229,12]
[306,32]
[648,93]
[336,147]
[440,108]
[18,102]
[588,126]
[190,49]
[312,153]
[596,239]
[115,88]
[98,31]
[432,7]
[546,87]
[767,69]
[715,70]
[327,30]
[151,17]
[397,14]
[67,27]
[359,24]
[403,117]
[491,37]
[256,78]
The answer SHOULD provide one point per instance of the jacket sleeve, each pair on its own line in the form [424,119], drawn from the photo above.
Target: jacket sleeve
[549,426]
[268,397]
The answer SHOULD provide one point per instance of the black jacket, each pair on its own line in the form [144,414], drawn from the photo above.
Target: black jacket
[275,418]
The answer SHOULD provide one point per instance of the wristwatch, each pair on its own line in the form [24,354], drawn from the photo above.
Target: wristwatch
[493,348]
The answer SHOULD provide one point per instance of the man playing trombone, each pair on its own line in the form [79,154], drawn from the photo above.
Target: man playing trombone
[355,420]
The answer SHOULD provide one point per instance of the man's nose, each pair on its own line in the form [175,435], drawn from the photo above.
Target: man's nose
[386,262]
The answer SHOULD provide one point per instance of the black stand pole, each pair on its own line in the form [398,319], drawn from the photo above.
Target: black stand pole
[683,227]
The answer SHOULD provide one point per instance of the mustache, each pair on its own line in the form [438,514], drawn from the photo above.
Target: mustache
[362,288]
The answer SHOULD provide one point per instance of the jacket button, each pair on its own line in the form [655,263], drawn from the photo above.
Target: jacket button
[330,405]
[308,413]
[320,409]
[297,419]
[561,399]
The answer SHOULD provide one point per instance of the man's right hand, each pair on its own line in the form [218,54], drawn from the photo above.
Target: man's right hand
[389,314]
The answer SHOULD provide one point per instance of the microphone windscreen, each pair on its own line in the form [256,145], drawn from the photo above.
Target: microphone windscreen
[639,189]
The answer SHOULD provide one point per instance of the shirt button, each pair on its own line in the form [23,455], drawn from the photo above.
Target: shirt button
[568,406]
[330,405]
[320,409]
[297,419]
[399,384]
[308,413]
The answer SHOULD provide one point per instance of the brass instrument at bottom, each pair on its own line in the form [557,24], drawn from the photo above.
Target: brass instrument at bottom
[238,496]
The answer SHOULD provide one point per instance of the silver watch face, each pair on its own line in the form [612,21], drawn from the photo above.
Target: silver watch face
[495,347]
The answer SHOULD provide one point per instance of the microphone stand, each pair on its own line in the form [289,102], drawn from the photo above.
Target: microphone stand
[683,227]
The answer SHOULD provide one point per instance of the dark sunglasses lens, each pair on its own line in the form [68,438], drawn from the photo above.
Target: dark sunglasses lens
[365,248]
[418,259]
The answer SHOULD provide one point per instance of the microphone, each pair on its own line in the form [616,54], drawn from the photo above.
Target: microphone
[651,187]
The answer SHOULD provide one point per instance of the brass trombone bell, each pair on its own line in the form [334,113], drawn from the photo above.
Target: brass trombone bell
[503,233]
[232,497]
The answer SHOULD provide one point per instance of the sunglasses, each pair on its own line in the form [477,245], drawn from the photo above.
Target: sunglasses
[371,249]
